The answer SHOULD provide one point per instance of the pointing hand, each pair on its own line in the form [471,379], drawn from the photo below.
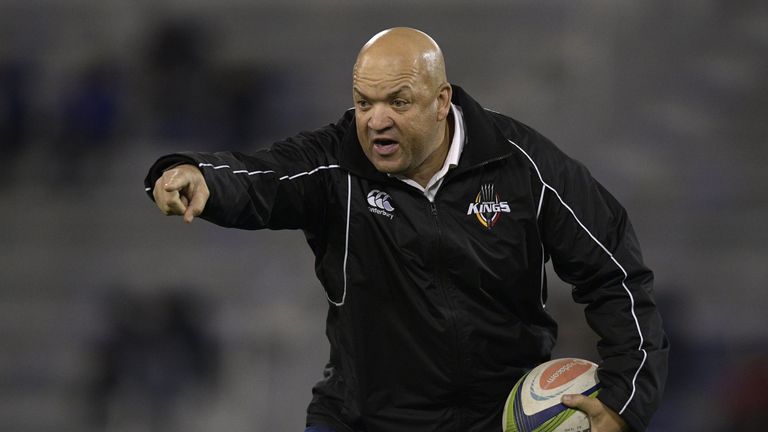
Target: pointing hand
[181,191]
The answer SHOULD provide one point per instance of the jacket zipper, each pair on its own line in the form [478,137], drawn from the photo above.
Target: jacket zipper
[452,309]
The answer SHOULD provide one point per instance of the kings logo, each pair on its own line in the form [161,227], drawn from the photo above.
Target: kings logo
[488,207]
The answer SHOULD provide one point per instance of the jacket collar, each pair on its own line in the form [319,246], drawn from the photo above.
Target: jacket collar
[484,141]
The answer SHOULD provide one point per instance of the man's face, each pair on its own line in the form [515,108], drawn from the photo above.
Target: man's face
[398,115]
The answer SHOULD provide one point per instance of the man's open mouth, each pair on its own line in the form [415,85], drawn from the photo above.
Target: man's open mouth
[385,146]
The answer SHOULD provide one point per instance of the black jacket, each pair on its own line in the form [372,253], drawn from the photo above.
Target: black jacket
[437,308]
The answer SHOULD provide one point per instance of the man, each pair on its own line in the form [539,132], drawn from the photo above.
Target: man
[431,220]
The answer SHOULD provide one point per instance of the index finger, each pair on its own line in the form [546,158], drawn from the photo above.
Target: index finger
[173,180]
[196,204]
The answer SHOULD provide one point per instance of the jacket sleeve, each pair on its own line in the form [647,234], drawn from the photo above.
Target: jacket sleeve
[278,188]
[593,247]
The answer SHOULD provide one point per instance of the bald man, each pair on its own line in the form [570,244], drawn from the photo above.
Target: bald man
[431,220]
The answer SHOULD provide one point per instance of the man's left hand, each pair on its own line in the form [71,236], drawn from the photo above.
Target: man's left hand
[601,418]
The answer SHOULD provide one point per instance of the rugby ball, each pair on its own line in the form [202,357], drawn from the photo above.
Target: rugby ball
[534,404]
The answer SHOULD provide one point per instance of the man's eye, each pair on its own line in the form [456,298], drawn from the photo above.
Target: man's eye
[363,104]
[399,103]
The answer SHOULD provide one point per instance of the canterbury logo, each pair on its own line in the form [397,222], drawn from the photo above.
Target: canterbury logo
[379,203]
[488,207]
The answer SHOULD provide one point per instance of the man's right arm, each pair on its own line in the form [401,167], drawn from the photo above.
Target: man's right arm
[279,188]
[240,191]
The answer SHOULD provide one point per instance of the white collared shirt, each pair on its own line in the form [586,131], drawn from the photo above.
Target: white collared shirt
[451,159]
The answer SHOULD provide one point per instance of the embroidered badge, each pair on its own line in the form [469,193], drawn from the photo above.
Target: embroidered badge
[488,206]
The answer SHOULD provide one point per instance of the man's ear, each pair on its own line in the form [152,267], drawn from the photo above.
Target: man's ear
[444,101]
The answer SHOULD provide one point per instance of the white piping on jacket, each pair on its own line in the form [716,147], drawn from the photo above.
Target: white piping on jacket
[346,245]
[543,269]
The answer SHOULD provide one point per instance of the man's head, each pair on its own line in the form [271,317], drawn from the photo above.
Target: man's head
[402,100]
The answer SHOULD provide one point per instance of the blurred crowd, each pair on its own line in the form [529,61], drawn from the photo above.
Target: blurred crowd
[174,93]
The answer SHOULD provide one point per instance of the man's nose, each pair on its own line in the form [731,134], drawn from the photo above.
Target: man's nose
[380,118]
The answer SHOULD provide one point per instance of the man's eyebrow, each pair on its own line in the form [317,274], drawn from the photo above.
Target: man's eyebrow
[356,90]
[400,90]
[394,93]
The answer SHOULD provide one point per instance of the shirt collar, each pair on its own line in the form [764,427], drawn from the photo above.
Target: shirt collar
[457,143]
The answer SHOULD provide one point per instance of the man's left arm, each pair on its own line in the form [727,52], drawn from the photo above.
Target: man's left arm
[593,247]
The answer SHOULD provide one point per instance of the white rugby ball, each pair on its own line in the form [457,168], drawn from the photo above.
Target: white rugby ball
[534,404]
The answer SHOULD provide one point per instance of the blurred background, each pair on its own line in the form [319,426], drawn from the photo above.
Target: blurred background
[114,318]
